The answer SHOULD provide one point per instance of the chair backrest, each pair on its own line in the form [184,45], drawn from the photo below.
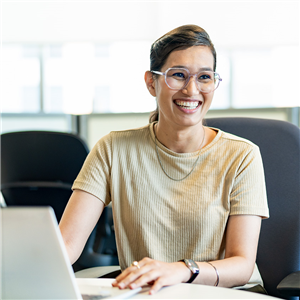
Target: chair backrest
[39,167]
[279,142]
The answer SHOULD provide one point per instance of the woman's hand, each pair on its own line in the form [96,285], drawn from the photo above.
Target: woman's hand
[154,272]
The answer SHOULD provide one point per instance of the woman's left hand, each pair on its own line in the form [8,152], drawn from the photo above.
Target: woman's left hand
[150,271]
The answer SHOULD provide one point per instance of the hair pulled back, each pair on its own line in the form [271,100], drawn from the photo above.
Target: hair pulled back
[179,38]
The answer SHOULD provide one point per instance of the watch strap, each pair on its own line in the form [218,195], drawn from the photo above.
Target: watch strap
[193,268]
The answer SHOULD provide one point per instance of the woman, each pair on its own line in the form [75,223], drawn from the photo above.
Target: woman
[185,197]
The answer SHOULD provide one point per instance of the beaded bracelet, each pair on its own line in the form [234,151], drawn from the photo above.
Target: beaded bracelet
[218,278]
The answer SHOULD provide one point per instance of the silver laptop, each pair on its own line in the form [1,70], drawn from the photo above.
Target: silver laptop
[35,264]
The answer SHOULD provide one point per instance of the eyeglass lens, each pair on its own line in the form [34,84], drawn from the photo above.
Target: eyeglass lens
[177,79]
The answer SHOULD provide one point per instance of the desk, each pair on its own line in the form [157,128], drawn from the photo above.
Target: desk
[196,291]
[192,291]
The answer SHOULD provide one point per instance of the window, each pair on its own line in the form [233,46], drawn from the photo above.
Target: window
[221,98]
[109,78]
[266,78]
[20,79]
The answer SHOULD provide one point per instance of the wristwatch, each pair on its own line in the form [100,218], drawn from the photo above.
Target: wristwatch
[193,267]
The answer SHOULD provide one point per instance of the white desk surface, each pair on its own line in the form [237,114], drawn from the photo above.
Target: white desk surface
[192,291]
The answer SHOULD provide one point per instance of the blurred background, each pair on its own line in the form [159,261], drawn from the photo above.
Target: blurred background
[78,66]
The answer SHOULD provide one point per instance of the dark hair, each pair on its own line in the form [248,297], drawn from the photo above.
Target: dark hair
[179,38]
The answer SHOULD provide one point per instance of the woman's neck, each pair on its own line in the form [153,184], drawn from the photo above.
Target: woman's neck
[182,140]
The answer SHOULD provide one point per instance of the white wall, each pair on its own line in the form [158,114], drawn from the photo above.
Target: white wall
[232,24]
[55,21]
[100,125]
[229,23]
[22,122]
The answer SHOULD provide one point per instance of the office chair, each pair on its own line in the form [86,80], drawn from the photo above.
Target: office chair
[38,169]
[279,245]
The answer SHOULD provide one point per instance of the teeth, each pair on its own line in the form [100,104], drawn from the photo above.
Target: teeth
[187,104]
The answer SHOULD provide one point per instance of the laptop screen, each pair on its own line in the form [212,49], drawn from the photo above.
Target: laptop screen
[35,264]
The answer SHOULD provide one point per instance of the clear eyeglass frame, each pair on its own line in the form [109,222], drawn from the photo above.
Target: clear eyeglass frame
[216,76]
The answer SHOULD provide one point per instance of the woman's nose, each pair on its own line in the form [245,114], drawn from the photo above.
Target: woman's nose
[192,87]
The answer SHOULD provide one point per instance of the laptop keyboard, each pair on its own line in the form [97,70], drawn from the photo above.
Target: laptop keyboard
[94,297]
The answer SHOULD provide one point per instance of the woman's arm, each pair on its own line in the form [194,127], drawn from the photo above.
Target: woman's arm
[235,269]
[79,219]
[242,234]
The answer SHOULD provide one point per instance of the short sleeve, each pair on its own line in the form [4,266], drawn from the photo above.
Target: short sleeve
[248,194]
[94,177]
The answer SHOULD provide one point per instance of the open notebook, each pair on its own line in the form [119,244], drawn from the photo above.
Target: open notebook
[35,263]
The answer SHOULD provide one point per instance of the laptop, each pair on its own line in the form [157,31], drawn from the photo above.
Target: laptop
[35,264]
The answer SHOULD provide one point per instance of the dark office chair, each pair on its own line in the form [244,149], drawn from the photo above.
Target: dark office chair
[279,245]
[38,169]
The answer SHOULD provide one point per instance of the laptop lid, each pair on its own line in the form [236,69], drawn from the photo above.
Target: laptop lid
[35,264]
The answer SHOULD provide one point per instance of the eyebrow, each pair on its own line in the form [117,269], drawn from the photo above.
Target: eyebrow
[201,69]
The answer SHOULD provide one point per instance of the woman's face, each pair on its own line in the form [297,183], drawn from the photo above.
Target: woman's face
[173,104]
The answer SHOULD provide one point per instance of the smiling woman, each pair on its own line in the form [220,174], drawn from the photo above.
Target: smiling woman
[185,197]
[183,108]
[178,39]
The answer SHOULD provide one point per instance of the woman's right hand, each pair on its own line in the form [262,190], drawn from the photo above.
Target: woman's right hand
[157,272]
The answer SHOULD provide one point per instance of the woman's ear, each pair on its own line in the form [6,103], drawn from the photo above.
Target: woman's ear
[150,83]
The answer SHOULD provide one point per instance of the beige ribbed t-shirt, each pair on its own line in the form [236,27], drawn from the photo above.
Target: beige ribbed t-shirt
[169,220]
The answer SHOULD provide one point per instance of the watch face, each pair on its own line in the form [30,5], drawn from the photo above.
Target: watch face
[191,265]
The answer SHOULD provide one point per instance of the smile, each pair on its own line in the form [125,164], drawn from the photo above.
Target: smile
[188,104]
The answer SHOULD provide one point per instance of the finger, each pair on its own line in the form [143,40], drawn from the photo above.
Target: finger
[130,275]
[125,273]
[150,271]
[120,277]
[144,279]
[158,284]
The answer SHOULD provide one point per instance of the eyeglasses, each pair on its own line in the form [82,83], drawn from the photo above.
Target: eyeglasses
[178,79]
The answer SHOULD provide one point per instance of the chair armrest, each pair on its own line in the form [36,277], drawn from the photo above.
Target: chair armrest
[36,184]
[96,272]
[290,285]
